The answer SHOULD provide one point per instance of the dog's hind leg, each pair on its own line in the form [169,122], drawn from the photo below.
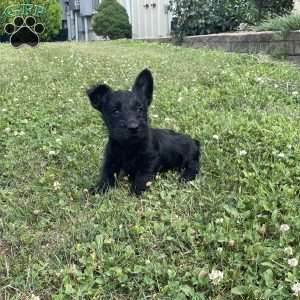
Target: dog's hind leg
[191,167]
[190,171]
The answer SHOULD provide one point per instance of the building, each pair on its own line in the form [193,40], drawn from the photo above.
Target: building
[297,6]
[149,18]
[77,17]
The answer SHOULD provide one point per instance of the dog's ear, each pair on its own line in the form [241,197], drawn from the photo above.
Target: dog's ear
[143,86]
[97,95]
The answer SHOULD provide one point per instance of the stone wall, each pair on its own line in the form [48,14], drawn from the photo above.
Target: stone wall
[249,42]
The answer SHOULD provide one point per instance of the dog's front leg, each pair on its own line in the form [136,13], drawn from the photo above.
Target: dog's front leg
[144,177]
[108,175]
[141,182]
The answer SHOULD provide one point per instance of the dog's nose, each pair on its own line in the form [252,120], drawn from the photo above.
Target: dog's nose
[133,126]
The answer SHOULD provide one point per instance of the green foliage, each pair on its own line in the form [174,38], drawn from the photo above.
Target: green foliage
[3,20]
[51,19]
[207,16]
[111,20]
[58,242]
[193,17]
[269,8]
[282,24]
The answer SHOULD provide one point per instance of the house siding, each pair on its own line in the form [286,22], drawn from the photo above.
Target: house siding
[150,22]
[297,6]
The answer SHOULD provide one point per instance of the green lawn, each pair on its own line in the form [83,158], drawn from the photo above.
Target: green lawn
[57,242]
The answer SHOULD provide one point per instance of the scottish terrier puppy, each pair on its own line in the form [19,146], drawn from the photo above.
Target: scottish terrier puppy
[133,146]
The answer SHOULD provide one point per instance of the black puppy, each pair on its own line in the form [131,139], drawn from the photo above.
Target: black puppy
[133,146]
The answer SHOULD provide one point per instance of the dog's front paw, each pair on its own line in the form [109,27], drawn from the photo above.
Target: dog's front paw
[98,189]
[137,191]
[93,190]
[140,188]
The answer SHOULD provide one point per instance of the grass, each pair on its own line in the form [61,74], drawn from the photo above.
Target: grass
[56,242]
[283,24]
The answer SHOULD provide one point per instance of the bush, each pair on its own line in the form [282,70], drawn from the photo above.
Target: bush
[111,20]
[51,19]
[3,20]
[283,24]
[194,17]
[267,8]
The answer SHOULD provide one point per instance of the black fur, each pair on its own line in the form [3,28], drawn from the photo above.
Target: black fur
[134,147]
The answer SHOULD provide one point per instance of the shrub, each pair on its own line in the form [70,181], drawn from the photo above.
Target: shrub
[283,24]
[3,5]
[51,19]
[267,8]
[194,17]
[111,20]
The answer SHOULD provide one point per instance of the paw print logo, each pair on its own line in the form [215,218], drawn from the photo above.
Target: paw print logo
[24,31]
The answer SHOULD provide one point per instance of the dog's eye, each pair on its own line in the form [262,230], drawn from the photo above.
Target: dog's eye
[116,111]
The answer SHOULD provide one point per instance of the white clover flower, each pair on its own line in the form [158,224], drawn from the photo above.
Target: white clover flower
[289,146]
[281,155]
[216,276]
[284,227]
[259,80]
[219,249]
[36,212]
[295,93]
[276,86]
[4,110]
[22,133]
[56,185]
[34,297]
[296,289]
[7,130]
[51,153]
[243,152]
[288,250]
[293,262]
[215,137]
[231,243]
[219,221]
